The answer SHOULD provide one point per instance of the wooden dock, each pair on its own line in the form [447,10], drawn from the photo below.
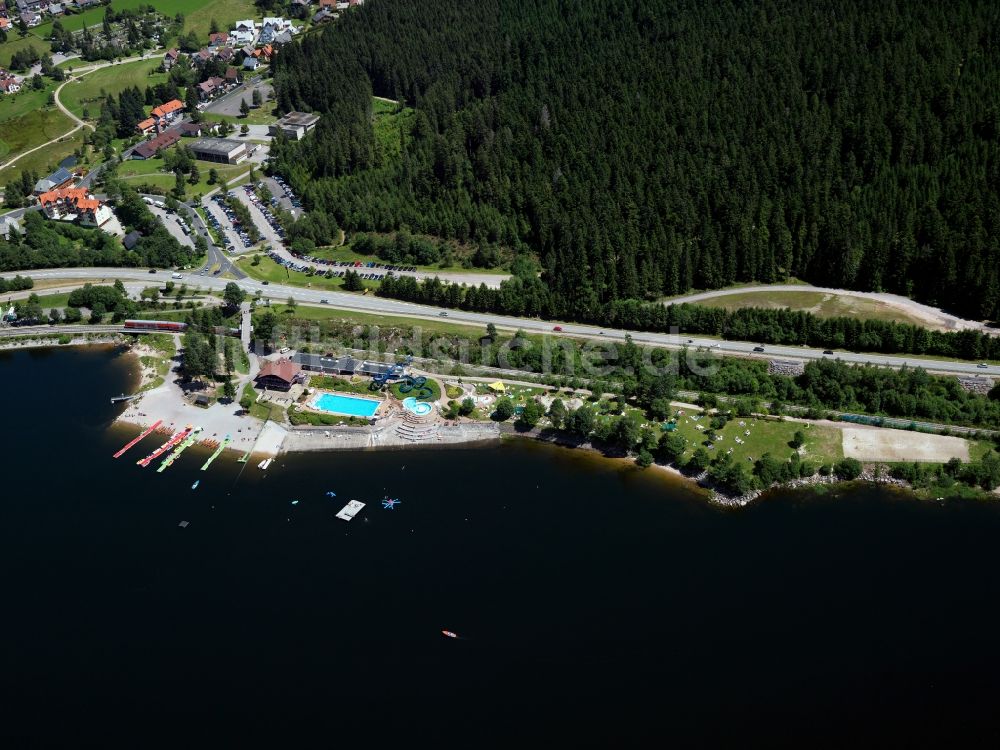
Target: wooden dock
[350,510]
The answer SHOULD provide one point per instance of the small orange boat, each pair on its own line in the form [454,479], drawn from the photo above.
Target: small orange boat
[449,634]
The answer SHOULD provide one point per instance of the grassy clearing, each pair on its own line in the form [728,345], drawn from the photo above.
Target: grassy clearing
[823,444]
[53,300]
[392,127]
[32,129]
[822,304]
[263,115]
[198,14]
[150,172]
[87,91]
[24,102]
[304,312]
[44,160]
[15,43]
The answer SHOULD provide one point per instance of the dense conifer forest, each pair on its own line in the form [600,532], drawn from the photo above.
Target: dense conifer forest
[645,147]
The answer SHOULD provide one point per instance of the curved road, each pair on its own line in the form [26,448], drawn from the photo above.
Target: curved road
[930,315]
[381,305]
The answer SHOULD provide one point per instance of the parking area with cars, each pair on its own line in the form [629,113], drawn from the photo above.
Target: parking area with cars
[225,222]
[175,223]
[263,218]
[283,195]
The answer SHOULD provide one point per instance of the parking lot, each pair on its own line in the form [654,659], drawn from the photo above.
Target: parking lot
[284,195]
[224,221]
[174,223]
[267,225]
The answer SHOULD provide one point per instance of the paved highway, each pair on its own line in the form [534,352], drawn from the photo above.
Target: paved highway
[377,305]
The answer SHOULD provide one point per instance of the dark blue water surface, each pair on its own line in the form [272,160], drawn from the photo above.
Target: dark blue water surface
[598,605]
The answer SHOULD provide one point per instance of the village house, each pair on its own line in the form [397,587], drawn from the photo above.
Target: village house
[61,178]
[31,6]
[279,375]
[146,126]
[201,57]
[9,84]
[168,111]
[218,39]
[212,87]
[251,62]
[170,58]
[148,149]
[74,204]
[31,18]
[198,129]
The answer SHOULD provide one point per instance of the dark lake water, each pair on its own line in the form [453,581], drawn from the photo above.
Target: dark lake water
[598,605]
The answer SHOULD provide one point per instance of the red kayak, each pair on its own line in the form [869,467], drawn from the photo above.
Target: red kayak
[449,634]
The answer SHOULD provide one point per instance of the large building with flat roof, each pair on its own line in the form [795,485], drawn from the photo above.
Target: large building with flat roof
[294,125]
[220,150]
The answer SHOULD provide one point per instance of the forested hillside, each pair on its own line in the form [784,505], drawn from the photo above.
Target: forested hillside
[644,147]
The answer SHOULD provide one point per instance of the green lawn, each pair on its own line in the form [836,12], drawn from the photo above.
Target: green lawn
[53,300]
[15,43]
[822,304]
[198,14]
[91,87]
[343,385]
[44,160]
[823,444]
[304,312]
[32,129]
[148,171]
[23,102]
[270,271]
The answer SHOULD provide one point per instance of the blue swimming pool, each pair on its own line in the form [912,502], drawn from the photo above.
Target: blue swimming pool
[417,407]
[350,405]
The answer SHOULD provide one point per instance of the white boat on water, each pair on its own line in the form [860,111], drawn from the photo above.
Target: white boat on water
[264,464]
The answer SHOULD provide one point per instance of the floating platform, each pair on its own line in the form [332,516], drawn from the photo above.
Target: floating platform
[243,459]
[185,444]
[222,446]
[146,433]
[350,510]
[144,462]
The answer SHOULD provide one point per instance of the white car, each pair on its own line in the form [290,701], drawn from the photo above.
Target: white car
[982,365]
